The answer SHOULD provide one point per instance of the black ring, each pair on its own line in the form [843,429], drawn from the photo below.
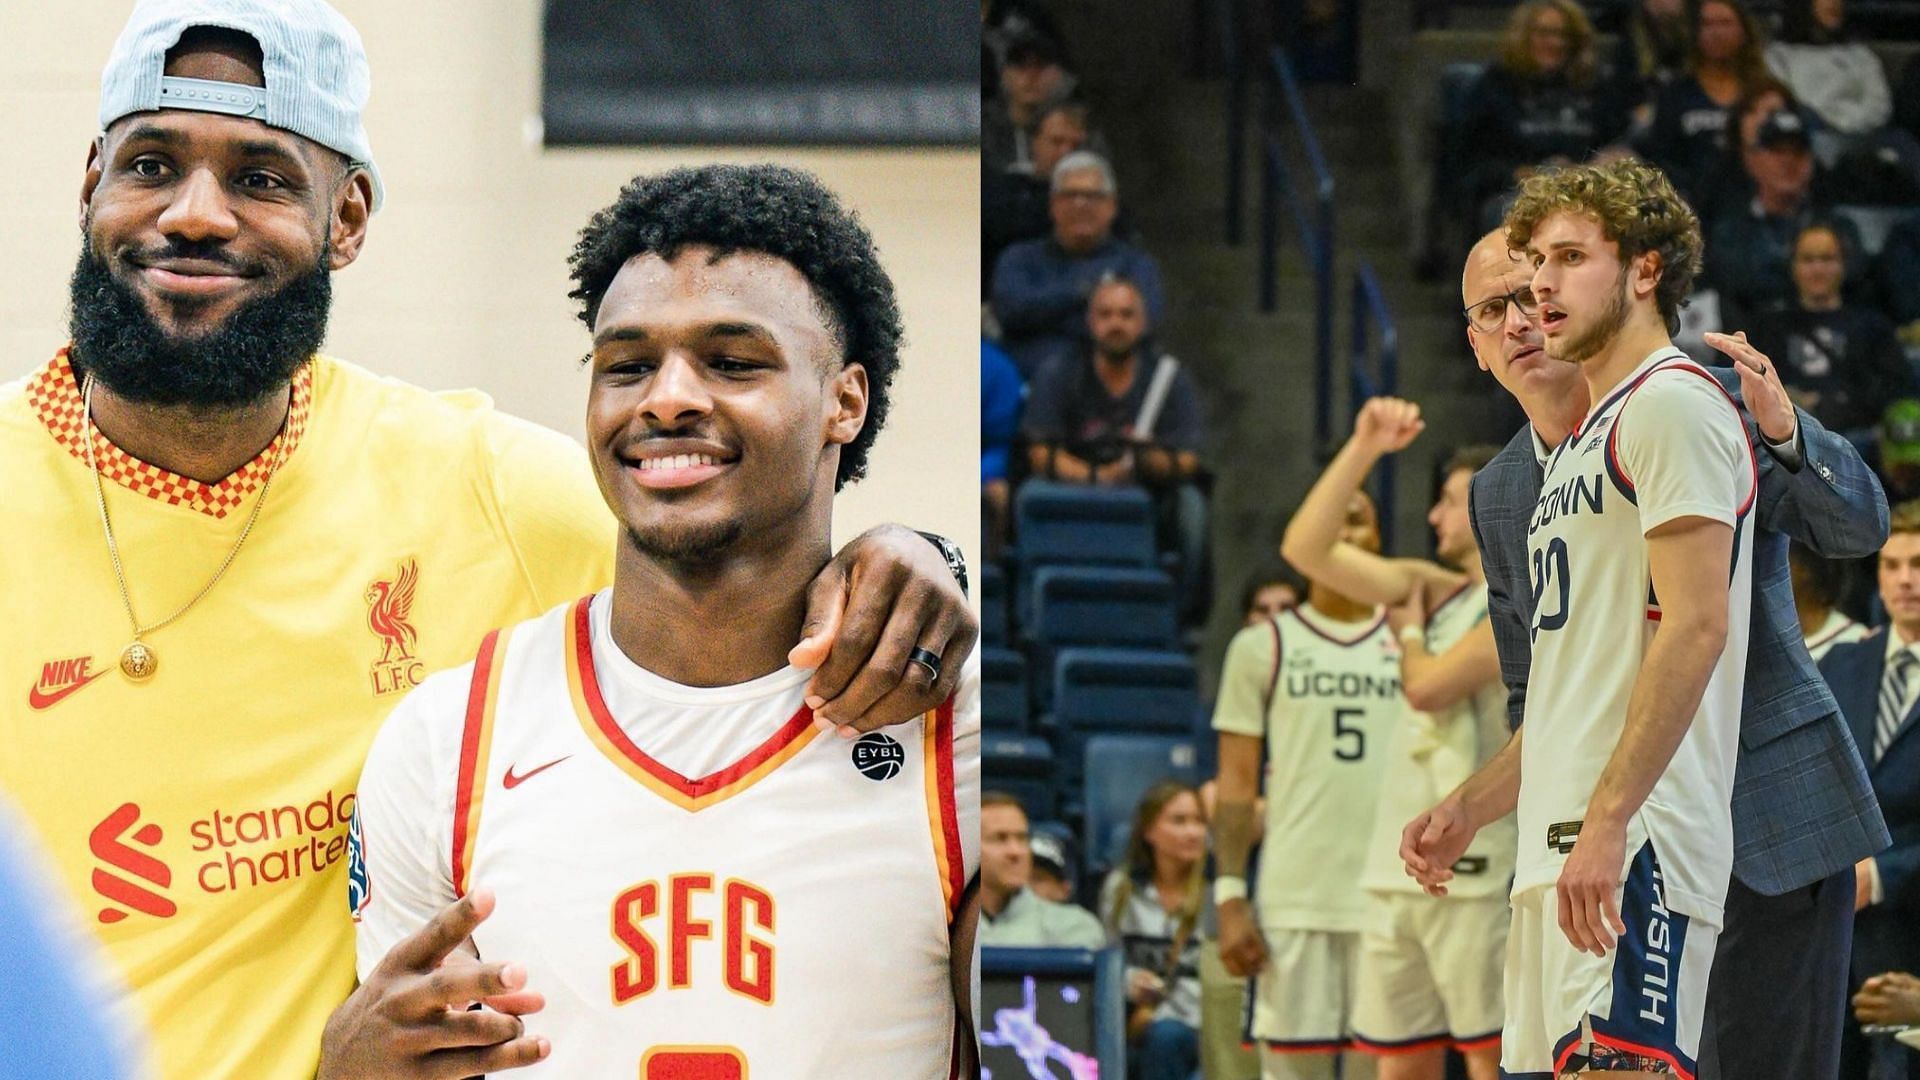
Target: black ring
[928,660]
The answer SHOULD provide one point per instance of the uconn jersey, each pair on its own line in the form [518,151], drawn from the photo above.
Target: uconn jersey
[697,880]
[1431,755]
[1667,443]
[1332,699]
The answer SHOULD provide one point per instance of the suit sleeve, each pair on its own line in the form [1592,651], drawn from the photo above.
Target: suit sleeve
[1506,613]
[1899,868]
[1833,504]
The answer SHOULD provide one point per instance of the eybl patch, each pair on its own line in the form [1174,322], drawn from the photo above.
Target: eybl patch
[878,756]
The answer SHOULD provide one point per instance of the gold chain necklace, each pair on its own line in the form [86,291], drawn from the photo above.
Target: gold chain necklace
[138,660]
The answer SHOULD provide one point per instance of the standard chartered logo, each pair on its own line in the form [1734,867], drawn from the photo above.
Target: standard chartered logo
[230,851]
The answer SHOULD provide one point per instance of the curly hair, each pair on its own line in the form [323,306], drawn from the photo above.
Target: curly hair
[1637,209]
[774,210]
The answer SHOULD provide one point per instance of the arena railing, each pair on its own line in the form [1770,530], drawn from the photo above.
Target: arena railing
[1369,314]
[1312,217]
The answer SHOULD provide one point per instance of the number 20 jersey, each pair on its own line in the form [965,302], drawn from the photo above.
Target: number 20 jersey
[1667,443]
[702,885]
[1333,698]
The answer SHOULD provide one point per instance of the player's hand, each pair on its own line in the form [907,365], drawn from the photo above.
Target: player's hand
[1760,387]
[1863,883]
[1431,843]
[1890,998]
[411,1018]
[885,593]
[1411,611]
[1386,425]
[1242,951]
[1589,888]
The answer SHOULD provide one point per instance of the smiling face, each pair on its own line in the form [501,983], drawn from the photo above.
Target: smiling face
[208,241]
[718,403]
[1818,268]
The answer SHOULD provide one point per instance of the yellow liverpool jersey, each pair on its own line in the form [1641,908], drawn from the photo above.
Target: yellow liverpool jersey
[200,818]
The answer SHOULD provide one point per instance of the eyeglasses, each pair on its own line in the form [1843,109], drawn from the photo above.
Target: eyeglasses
[1489,315]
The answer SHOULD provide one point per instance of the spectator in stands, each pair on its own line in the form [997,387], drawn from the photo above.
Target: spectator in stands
[1270,590]
[1052,877]
[1014,204]
[1041,287]
[1842,82]
[1692,113]
[1541,103]
[1653,51]
[1010,912]
[1899,450]
[1816,596]
[1152,906]
[1877,682]
[1002,22]
[1002,393]
[1031,76]
[1124,413]
[1749,250]
[1839,361]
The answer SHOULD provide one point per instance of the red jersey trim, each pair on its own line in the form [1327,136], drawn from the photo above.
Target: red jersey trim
[690,794]
[55,396]
[476,741]
[942,810]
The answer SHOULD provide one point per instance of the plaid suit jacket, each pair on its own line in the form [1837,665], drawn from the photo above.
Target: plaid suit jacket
[1802,805]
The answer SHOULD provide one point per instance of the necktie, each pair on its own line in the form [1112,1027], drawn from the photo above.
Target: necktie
[1893,695]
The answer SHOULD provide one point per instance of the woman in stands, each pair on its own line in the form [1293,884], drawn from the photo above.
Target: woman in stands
[1542,103]
[1692,115]
[1152,905]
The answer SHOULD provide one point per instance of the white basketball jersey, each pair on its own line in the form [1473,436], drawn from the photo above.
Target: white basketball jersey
[1431,755]
[1666,443]
[1335,704]
[785,914]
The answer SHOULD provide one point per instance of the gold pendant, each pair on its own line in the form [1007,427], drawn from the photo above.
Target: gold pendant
[138,662]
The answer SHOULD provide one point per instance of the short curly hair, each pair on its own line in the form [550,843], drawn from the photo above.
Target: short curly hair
[775,210]
[1637,209]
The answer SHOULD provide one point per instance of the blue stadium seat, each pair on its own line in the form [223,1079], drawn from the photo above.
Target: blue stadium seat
[1118,770]
[1078,523]
[1003,690]
[1083,605]
[1119,692]
[1125,690]
[1097,607]
[1022,767]
[993,605]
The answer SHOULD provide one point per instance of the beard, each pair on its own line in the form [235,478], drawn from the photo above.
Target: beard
[1605,328]
[687,545]
[253,353]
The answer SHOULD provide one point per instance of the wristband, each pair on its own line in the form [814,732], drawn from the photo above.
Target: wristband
[950,551]
[1229,888]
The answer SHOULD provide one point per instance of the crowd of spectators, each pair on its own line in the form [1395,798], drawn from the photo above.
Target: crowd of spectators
[1781,125]
[1076,387]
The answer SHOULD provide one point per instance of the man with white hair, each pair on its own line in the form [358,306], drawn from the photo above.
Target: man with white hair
[1040,287]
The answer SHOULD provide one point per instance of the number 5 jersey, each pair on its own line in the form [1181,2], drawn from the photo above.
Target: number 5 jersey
[1667,443]
[699,882]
